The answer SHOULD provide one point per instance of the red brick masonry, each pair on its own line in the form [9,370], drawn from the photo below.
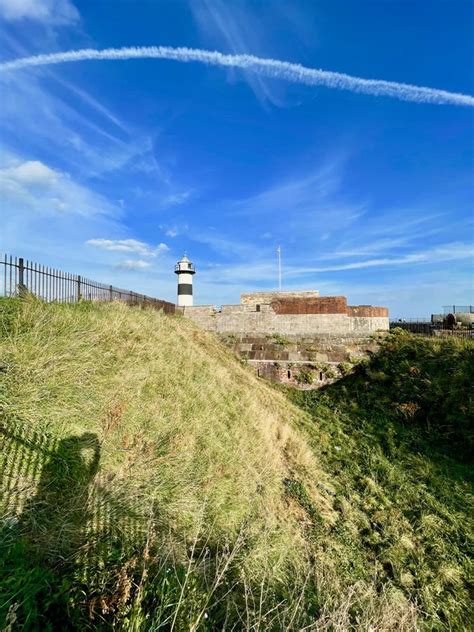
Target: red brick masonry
[325,305]
[367,310]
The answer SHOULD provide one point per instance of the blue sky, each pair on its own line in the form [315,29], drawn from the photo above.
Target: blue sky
[113,169]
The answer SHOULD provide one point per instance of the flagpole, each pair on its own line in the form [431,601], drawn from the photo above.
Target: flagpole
[279,267]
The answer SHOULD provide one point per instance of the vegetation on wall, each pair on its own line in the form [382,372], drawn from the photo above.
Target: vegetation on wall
[152,482]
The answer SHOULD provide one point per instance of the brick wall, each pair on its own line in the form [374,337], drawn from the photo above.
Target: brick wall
[367,311]
[320,305]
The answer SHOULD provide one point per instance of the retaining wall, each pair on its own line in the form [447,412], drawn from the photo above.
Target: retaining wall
[302,362]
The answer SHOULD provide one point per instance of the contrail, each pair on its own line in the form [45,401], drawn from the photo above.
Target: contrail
[295,73]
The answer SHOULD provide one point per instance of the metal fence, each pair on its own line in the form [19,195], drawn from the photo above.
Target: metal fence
[429,328]
[415,326]
[18,277]
[458,309]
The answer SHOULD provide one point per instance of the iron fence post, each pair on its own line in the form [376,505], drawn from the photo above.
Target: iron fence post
[79,296]
[110,292]
[21,277]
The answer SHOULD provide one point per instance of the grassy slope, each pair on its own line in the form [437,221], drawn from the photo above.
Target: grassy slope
[152,482]
[397,438]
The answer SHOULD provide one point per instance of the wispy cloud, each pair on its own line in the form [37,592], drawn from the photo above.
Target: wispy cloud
[237,28]
[257,272]
[284,70]
[134,264]
[300,194]
[128,245]
[81,133]
[222,244]
[50,12]
[91,102]
[306,203]
[176,199]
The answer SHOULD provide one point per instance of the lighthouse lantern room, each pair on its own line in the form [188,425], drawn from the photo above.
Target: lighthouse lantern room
[185,270]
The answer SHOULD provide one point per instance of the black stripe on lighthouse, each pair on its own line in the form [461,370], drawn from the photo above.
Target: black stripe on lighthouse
[185,288]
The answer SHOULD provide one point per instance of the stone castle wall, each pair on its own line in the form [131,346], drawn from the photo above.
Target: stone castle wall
[304,363]
[297,338]
[290,314]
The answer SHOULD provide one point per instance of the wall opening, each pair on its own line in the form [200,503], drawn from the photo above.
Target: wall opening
[321,375]
[257,308]
[289,374]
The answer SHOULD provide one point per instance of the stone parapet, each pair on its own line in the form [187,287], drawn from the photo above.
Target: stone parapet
[258,298]
[238,321]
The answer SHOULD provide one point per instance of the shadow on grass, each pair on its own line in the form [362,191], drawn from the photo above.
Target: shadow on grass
[61,526]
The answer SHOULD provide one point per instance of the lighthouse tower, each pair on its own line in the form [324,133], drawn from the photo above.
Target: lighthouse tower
[185,270]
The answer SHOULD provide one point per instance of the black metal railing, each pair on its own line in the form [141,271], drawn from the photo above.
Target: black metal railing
[458,309]
[432,328]
[19,276]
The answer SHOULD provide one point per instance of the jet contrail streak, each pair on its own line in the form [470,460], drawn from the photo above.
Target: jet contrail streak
[295,73]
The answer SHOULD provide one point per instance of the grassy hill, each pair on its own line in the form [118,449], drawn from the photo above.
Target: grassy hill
[152,482]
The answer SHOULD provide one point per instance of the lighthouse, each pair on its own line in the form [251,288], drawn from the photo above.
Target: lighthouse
[185,270]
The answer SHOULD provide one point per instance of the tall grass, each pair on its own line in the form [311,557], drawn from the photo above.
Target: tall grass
[397,438]
[152,482]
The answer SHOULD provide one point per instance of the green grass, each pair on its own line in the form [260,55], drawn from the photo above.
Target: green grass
[152,482]
[397,439]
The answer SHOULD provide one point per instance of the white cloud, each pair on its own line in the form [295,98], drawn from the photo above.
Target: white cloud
[31,172]
[51,225]
[49,12]
[129,245]
[36,189]
[138,264]
[172,232]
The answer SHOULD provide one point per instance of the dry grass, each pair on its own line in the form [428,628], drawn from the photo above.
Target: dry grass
[167,487]
[183,428]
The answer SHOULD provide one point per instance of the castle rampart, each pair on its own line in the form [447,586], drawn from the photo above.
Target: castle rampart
[290,314]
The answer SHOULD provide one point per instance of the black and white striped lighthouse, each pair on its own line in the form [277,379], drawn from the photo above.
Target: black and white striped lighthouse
[185,270]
